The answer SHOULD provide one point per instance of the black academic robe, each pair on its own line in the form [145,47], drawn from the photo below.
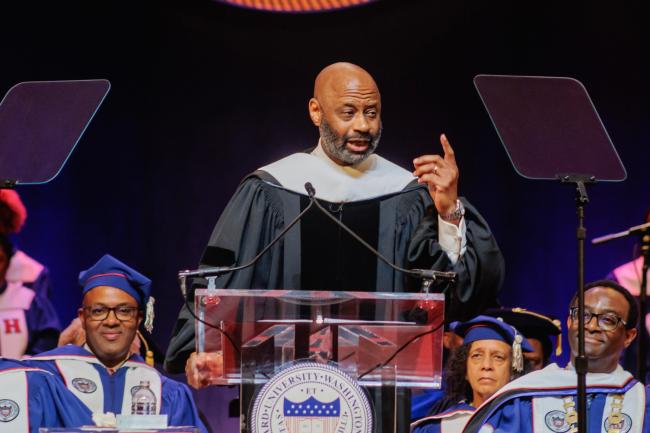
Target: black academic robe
[407,235]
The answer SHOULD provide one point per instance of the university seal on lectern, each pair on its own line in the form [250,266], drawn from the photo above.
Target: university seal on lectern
[311,398]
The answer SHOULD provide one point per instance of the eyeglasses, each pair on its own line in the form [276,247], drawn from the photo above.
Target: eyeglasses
[123,313]
[605,321]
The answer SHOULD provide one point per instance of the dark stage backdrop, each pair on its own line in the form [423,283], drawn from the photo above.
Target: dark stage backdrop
[205,93]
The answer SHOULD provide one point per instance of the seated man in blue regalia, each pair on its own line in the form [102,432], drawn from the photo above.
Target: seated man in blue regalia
[103,373]
[545,401]
[31,398]
[491,355]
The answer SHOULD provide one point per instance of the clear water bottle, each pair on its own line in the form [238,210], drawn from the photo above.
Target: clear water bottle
[143,401]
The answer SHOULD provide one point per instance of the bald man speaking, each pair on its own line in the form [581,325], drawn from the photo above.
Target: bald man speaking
[414,218]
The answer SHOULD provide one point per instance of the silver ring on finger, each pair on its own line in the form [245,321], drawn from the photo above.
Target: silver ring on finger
[435,169]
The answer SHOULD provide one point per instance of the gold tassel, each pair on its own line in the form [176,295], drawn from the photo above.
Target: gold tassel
[149,358]
[558,347]
[148,353]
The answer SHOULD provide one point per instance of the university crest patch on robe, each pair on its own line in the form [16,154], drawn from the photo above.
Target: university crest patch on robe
[9,410]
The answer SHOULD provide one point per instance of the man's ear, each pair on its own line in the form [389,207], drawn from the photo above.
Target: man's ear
[140,317]
[315,112]
[630,335]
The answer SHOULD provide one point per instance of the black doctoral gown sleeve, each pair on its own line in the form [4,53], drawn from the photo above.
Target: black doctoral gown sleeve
[252,218]
[480,269]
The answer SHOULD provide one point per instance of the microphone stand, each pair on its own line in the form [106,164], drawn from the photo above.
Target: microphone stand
[581,361]
[642,343]
[428,276]
[212,273]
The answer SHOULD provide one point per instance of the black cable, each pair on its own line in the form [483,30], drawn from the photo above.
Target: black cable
[402,347]
[225,334]
[420,273]
[276,239]
[218,271]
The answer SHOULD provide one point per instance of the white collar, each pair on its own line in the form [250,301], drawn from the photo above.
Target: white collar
[374,177]
[351,170]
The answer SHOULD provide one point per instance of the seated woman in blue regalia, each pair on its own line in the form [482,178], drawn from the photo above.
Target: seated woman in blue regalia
[490,357]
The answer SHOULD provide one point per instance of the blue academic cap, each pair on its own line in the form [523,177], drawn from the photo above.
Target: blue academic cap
[491,328]
[109,271]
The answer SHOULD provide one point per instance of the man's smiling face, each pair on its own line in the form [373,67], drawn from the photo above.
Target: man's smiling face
[602,347]
[110,338]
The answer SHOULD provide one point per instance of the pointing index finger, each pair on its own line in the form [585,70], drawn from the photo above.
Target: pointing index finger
[446,147]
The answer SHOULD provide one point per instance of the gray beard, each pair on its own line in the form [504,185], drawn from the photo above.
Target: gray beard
[334,145]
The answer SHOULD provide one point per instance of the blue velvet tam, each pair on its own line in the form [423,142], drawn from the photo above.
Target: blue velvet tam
[491,328]
[109,271]
[532,325]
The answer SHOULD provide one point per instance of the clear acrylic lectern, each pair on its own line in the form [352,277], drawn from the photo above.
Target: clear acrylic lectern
[386,341]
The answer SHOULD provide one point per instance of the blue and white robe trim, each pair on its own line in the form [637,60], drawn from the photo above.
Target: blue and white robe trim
[77,369]
[14,406]
[546,388]
[451,420]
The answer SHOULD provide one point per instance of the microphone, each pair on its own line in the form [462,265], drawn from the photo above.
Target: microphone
[310,190]
[221,270]
[428,275]
[640,229]
[206,272]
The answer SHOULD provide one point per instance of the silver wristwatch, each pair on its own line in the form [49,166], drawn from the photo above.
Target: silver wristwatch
[456,214]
